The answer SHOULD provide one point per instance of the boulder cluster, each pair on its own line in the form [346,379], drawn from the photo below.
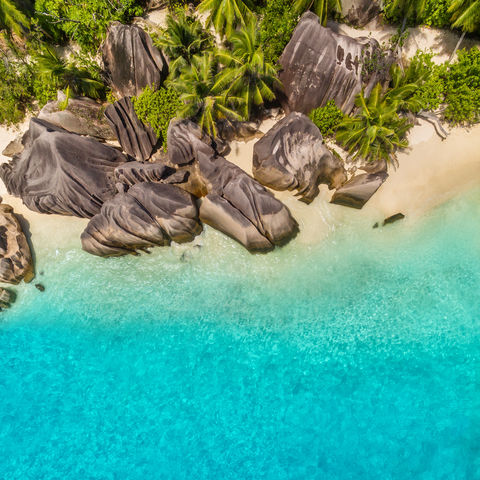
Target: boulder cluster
[137,196]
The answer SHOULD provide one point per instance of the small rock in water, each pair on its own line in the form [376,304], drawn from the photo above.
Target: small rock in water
[6,298]
[40,287]
[376,225]
[393,218]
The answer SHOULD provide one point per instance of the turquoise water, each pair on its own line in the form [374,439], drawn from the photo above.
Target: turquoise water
[357,358]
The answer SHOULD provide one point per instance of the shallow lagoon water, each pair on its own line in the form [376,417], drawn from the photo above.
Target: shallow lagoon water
[356,358]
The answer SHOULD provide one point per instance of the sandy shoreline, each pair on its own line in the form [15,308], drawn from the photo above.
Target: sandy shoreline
[430,172]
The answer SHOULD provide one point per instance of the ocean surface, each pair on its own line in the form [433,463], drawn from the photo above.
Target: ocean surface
[355,358]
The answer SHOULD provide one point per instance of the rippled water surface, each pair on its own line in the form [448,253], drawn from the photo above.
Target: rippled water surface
[357,358]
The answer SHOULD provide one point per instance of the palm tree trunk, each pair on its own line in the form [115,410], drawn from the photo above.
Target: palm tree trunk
[457,46]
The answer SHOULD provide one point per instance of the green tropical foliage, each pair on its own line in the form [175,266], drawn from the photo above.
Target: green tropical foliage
[66,74]
[321,7]
[465,15]
[431,12]
[247,75]
[376,131]
[278,22]
[12,19]
[183,38]
[327,118]
[462,88]
[157,107]
[226,15]
[203,93]
[84,22]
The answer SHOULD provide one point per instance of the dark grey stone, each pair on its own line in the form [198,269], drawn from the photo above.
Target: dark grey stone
[292,156]
[358,190]
[136,138]
[62,172]
[319,65]
[131,61]
[148,214]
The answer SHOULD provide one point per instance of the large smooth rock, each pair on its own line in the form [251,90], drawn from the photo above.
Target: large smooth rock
[132,173]
[292,156]
[61,172]
[136,138]
[319,65]
[232,201]
[82,115]
[15,256]
[360,12]
[148,214]
[131,61]
[358,190]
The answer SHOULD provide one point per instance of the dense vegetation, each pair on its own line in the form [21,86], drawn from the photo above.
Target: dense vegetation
[234,77]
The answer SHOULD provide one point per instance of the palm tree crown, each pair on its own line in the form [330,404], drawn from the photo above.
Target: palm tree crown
[183,38]
[247,73]
[376,131]
[226,15]
[203,94]
[12,19]
[465,14]
[320,7]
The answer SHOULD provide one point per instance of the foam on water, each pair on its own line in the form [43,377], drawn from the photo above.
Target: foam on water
[356,358]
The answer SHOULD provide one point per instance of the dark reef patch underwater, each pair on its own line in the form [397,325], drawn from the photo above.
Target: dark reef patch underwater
[357,358]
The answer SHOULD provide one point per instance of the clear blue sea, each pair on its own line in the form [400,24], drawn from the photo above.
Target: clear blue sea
[356,358]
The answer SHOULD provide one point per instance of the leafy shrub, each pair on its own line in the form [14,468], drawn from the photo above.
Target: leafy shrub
[157,107]
[16,90]
[84,22]
[428,78]
[435,13]
[462,88]
[327,118]
[279,21]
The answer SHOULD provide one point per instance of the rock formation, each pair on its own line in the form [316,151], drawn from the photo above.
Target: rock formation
[132,173]
[6,298]
[136,138]
[319,65]
[81,115]
[15,257]
[131,61]
[61,172]
[292,156]
[360,12]
[147,214]
[358,190]
[231,201]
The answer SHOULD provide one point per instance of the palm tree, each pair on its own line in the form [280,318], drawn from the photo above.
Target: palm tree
[376,131]
[465,15]
[226,15]
[183,38]
[247,74]
[320,7]
[203,94]
[413,9]
[12,19]
[67,75]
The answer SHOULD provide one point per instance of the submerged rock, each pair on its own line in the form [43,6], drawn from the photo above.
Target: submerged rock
[319,65]
[393,218]
[81,115]
[6,298]
[136,138]
[131,61]
[40,287]
[231,201]
[61,172]
[292,156]
[358,190]
[15,256]
[148,214]
[360,12]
